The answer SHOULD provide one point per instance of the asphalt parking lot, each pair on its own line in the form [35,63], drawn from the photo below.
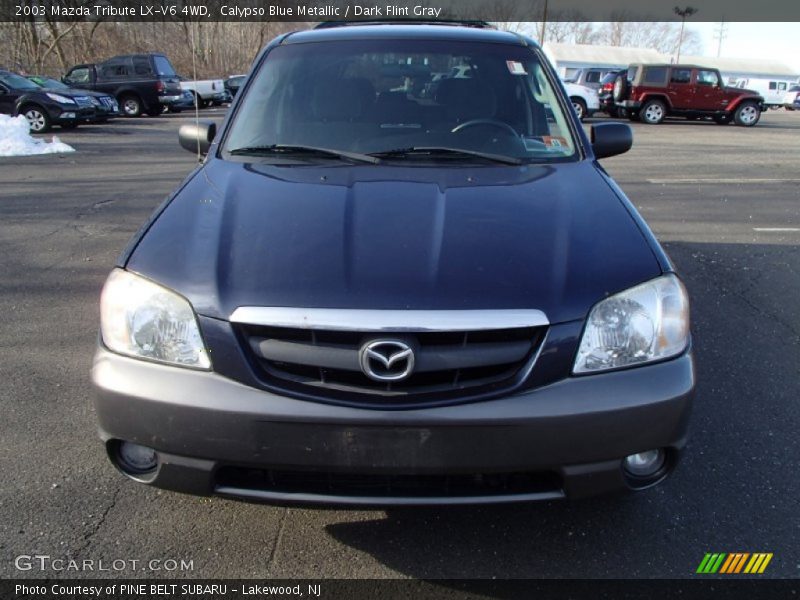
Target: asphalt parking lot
[725,201]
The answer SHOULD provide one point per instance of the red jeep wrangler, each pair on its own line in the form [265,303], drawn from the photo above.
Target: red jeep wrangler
[652,92]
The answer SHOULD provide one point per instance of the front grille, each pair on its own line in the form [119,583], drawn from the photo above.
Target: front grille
[448,365]
[240,480]
[83,101]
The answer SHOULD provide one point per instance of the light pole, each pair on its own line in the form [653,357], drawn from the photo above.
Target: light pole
[544,24]
[683,13]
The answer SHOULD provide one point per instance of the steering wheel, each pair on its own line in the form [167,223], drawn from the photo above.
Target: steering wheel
[493,122]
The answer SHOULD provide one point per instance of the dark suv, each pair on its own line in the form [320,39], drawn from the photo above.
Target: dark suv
[387,296]
[43,107]
[652,92]
[141,83]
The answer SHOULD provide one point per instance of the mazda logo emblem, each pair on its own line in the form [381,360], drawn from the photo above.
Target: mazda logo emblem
[386,360]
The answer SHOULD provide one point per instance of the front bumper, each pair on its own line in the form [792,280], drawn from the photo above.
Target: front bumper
[630,104]
[66,114]
[572,434]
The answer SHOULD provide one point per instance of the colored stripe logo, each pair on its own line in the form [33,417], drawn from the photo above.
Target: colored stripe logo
[734,562]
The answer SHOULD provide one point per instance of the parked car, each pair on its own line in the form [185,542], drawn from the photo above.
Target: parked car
[233,83]
[791,100]
[141,83]
[590,77]
[606,95]
[584,100]
[105,105]
[186,102]
[385,299]
[772,90]
[206,91]
[43,108]
[651,92]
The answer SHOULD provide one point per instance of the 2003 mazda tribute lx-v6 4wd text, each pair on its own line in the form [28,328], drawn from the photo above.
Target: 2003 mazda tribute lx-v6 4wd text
[387,286]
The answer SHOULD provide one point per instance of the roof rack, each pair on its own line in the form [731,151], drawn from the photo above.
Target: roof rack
[451,22]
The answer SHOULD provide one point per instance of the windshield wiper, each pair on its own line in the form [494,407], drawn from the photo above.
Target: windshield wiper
[290,149]
[434,150]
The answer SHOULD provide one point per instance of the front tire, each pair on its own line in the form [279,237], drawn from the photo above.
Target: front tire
[747,114]
[580,107]
[131,106]
[653,112]
[38,119]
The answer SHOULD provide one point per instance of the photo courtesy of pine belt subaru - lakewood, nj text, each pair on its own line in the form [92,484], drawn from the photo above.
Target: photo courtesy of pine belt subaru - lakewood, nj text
[399,276]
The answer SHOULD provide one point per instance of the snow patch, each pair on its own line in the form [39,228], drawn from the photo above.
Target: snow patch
[16,140]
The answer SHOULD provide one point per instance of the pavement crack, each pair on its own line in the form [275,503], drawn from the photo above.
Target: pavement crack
[87,537]
[274,553]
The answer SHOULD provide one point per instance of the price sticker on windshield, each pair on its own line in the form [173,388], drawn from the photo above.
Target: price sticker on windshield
[516,67]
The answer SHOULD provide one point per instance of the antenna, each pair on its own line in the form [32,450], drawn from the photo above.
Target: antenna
[196,92]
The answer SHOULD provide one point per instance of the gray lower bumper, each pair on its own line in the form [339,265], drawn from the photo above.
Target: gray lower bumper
[579,428]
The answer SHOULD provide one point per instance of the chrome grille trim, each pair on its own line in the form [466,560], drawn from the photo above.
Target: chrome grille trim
[367,320]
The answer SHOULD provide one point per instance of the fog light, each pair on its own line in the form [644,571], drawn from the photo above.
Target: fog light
[68,115]
[136,459]
[644,464]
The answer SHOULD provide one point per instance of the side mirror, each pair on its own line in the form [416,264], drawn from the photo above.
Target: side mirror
[197,137]
[610,139]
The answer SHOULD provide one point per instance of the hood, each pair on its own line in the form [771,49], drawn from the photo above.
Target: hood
[556,238]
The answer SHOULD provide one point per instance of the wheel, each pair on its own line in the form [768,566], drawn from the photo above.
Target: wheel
[205,103]
[131,105]
[620,88]
[38,119]
[155,111]
[722,119]
[653,112]
[580,107]
[747,114]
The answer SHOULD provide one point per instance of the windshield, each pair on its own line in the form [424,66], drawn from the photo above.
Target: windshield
[163,66]
[395,97]
[53,84]
[17,82]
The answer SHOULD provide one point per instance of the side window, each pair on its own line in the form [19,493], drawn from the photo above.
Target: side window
[593,76]
[681,76]
[115,70]
[773,85]
[782,86]
[79,75]
[655,75]
[707,78]
[141,66]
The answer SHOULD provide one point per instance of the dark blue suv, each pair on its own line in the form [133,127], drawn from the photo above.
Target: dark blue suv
[399,276]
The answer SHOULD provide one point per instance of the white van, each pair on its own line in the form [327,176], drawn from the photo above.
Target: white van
[772,90]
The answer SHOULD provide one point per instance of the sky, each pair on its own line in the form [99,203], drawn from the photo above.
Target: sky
[779,41]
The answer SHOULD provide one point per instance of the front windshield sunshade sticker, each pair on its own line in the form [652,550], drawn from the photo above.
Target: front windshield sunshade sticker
[516,67]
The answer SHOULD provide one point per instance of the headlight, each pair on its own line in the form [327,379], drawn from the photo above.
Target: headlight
[645,323]
[142,319]
[61,99]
